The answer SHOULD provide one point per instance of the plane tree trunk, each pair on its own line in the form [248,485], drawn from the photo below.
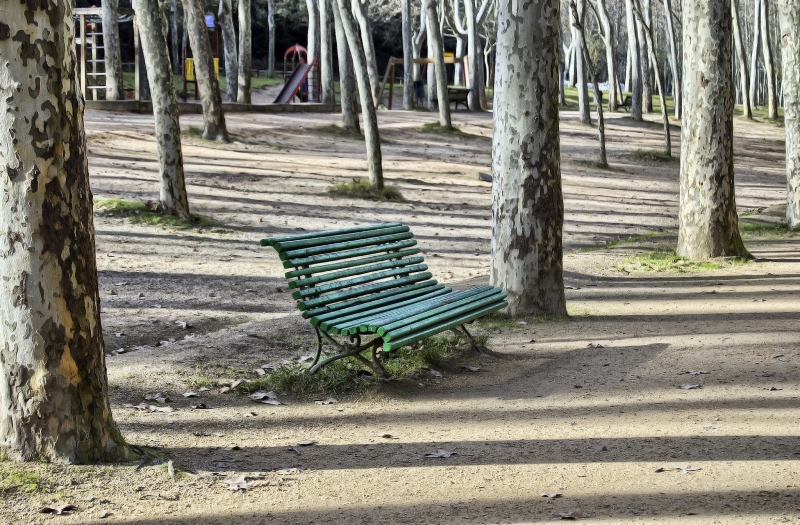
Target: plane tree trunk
[371,135]
[709,225]
[674,64]
[635,83]
[527,201]
[408,55]
[313,48]
[207,84]
[435,38]
[584,111]
[271,44]
[789,12]
[111,51]
[610,39]
[225,17]
[53,389]
[360,11]
[769,66]
[245,52]
[747,110]
[754,54]
[326,52]
[347,82]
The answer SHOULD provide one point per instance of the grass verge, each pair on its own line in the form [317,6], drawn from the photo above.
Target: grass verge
[620,242]
[338,131]
[148,213]
[766,229]
[21,481]
[667,260]
[653,156]
[361,189]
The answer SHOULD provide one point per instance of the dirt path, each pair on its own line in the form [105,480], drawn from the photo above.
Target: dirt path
[551,415]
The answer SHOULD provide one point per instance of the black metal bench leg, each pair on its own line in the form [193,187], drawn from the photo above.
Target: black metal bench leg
[468,336]
[319,346]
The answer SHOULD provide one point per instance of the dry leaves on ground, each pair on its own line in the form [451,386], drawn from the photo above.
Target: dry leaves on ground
[58,509]
[571,515]
[440,454]
[689,386]
[245,482]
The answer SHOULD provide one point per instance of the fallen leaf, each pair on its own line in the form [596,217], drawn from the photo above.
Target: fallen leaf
[551,495]
[710,427]
[434,373]
[203,389]
[777,356]
[183,324]
[306,443]
[661,469]
[233,447]
[696,372]
[572,515]
[688,468]
[259,371]
[153,408]
[236,383]
[191,394]
[329,401]
[245,482]
[689,386]
[305,358]
[596,345]
[159,397]
[440,454]
[258,396]
[60,509]
[472,368]
[201,406]
[123,283]
[224,389]
[292,470]
[250,290]
[274,402]
[388,436]
[772,388]
[294,449]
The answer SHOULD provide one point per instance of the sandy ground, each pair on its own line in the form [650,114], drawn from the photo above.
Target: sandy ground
[603,426]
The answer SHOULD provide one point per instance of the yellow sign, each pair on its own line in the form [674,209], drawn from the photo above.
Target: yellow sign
[190,69]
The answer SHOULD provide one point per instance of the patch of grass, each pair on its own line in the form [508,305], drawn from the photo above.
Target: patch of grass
[338,131]
[766,229]
[497,321]
[653,156]
[21,481]
[620,242]
[193,132]
[148,213]
[667,260]
[594,164]
[361,189]
[201,378]
[436,127]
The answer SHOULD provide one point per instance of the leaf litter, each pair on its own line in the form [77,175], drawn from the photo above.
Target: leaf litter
[689,386]
[440,454]
[58,509]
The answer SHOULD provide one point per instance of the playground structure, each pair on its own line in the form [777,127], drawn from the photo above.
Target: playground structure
[296,79]
[449,58]
[188,71]
[90,51]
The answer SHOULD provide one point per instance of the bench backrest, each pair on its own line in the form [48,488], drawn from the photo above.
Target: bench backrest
[353,269]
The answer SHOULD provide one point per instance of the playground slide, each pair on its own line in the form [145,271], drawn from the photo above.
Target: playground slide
[293,83]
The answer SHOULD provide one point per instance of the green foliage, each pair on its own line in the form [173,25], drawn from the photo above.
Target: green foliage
[653,155]
[669,261]
[148,213]
[361,189]
[21,481]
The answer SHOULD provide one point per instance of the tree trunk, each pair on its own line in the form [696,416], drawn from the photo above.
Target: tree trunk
[474,66]
[173,34]
[610,39]
[245,52]
[225,17]
[408,55]
[646,67]
[313,48]
[347,82]
[111,51]
[754,54]
[527,202]
[673,60]
[360,11]
[769,68]
[789,12]
[584,111]
[737,37]
[435,38]
[430,71]
[53,391]
[709,225]
[271,48]
[371,135]
[207,84]
[326,52]
[635,86]
[165,109]
[416,47]
[628,67]
[572,66]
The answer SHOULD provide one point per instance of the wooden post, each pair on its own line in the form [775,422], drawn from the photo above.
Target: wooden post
[136,87]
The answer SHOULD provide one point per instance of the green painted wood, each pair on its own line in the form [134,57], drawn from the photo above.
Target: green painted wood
[433,315]
[356,305]
[348,283]
[344,324]
[326,233]
[363,290]
[311,281]
[338,321]
[437,317]
[287,246]
[447,325]
[349,264]
[333,252]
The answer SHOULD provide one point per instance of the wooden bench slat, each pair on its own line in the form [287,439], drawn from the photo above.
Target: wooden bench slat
[349,283]
[362,303]
[272,240]
[347,254]
[414,323]
[342,246]
[363,290]
[311,281]
[286,246]
[388,304]
[446,325]
[349,264]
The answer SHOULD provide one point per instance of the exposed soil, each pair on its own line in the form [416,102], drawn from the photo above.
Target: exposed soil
[551,414]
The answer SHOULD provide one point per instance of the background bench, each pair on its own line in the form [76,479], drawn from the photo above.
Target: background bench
[372,280]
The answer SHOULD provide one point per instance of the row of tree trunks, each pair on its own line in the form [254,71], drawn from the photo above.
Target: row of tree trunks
[743,69]
[437,46]
[580,66]
[789,14]
[111,51]
[225,17]
[610,39]
[634,84]
[53,390]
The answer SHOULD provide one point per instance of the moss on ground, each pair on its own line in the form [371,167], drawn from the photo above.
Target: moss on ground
[148,213]
[361,189]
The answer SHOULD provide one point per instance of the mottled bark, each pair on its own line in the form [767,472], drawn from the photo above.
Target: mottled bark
[271,44]
[527,202]
[312,46]
[610,39]
[111,51]
[408,55]
[326,52]
[210,98]
[174,39]
[709,225]
[53,390]
[674,64]
[430,71]
[584,111]
[165,108]
[371,136]
[225,18]
[347,82]
[435,38]
[245,52]
[365,26]
[754,54]
[769,67]
[789,13]
[743,69]
[416,46]
[476,79]
[644,60]
[635,83]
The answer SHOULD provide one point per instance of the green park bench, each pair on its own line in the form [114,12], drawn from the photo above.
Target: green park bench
[371,280]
